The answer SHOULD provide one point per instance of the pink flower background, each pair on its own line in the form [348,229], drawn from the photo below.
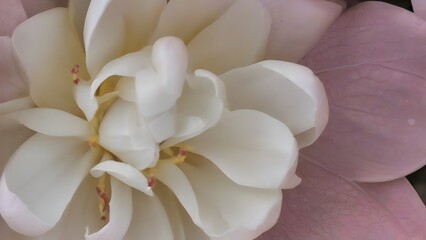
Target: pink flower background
[371,58]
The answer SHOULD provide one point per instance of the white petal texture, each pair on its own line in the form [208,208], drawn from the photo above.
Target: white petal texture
[48,58]
[116,27]
[120,213]
[223,209]
[252,149]
[288,92]
[240,36]
[34,198]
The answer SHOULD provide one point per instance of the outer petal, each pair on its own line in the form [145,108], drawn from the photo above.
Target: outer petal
[150,220]
[32,200]
[52,122]
[11,83]
[223,209]
[8,233]
[372,64]
[120,213]
[77,10]
[419,8]
[326,206]
[116,27]
[311,18]
[239,36]
[34,7]
[251,148]
[124,134]
[47,49]
[287,91]
[123,172]
[12,14]
[185,22]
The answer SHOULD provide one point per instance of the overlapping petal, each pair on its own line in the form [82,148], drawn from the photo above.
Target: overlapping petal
[34,7]
[286,91]
[33,207]
[12,13]
[48,58]
[419,7]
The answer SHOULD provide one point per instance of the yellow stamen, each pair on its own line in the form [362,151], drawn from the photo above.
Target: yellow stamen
[181,156]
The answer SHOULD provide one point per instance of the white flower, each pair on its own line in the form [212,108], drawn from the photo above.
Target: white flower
[158,132]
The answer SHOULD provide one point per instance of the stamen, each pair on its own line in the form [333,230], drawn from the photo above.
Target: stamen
[181,156]
[103,198]
[93,141]
[152,179]
[74,71]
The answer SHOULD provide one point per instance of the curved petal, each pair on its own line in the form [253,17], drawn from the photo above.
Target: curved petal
[251,148]
[127,136]
[123,172]
[11,138]
[330,207]
[374,73]
[81,213]
[34,7]
[8,233]
[116,27]
[77,10]
[223,209]
[240,36]
[34,199]
[199,107]
[11,83]
[16,105]
[12,14]
[419,7]
[52,122]
[311,18]
[150,220]
[121,210]
[185,22]
[47,49]
[288,92]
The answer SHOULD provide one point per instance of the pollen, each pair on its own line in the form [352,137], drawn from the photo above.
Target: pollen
[181,156]
[103,198]
[75,71]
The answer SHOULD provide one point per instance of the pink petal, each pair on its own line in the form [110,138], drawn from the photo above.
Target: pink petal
[401,200]
[11,14]
[311,18]
[11,84]
[419,7]
[326,206]
[33,7]
[373,65]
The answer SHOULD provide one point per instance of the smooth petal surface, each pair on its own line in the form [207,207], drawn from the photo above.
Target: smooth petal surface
[52,122]
[288,92]
[125,135]
[33,207]
[11,137]
[8,233]
[419,7]
[372,64]
[326,206]
[256,150]
[185,22]
[47,49]
[77,10]
[121,210]
[34,7]
[12,13]
[240,36]
[311,18]
[123,172]
[11,83]
[116,27]
[150,220]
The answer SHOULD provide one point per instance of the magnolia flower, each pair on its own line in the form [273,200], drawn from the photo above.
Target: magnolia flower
[158,131]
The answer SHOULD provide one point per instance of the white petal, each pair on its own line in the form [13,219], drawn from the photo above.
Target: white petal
[47,49]
[82,212]
[288,92]
[120,213]
[185,22]
[52,122]
[77,10]
[11,138]
[34,198]
[116,27]
[8,233]
[251,148]
[150,220]
[199,107]
[236,39]
[16,105]
[123,172]
[228,210]
[124,134]
[85,101]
